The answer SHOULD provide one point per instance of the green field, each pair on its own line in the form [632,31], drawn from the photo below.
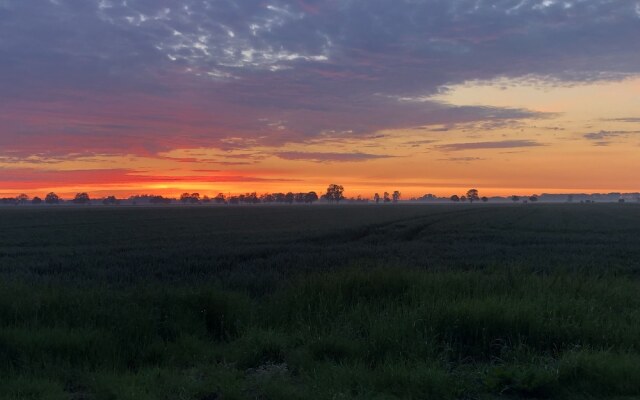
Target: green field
[320,302]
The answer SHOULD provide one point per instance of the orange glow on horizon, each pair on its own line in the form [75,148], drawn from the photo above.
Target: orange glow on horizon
[585,146]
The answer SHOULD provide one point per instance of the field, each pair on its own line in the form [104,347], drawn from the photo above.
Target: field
[320,302]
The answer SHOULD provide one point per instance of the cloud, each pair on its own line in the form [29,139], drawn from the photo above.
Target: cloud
[633,120]
[603,138]
[329,157]
[603,135]
[419,143]
[464,160]
[147,76]
[31,179]
[503,144]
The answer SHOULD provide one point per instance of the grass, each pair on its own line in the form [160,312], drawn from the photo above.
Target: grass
[442,302]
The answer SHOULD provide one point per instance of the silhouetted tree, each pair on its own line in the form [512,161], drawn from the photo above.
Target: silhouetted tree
[533,198]
[82,198]
[52,198]
[158,200]
[36,200]
[463,199]
[190,198]
[206,199]
[220,199]
[455,198]
[515,198]
[335,193]
[311,197]
[22,199]
[289,198]
[428,197]
[267,198]
[485,199]
[396,196]
[110,201]
[250,198]
[472,195]
[376,198]
[279,197]
[386,197]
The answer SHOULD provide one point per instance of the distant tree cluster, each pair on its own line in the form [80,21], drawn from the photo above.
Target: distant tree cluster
[8,201]
[387,198]
[185,198]
[149,199]
[22,199]
[110,201]
[471,196]
[334,193]
[190,198]
[82,198]
[52,198]
[427,197]
[251,198]
[533,198]
[268,198]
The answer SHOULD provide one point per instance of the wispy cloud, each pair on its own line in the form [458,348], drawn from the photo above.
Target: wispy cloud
[31,179]
[603,135]
[633,120]
[329,157]
[604,138]
[502,144]
[463,160]
[419,143]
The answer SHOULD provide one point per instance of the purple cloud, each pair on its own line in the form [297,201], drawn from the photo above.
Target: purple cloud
[603,138]
[630,120]
[502,144]
[329,157]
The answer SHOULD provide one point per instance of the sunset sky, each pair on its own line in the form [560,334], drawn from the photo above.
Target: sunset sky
[434,96]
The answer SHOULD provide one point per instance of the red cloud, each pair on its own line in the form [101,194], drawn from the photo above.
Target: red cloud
[31,179]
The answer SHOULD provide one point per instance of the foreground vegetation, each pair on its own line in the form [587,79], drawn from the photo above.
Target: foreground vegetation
[442,302]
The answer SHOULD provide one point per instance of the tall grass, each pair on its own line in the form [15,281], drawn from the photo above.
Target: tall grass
[354,333]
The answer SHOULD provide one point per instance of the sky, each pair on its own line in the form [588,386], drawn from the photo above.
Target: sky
[421,96]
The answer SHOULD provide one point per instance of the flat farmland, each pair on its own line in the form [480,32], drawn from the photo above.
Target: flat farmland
[303,302]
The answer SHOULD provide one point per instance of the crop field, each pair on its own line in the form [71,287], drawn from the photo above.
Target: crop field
[320,302]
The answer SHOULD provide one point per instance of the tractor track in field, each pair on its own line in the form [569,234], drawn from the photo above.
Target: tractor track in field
[411,233]
[408,234]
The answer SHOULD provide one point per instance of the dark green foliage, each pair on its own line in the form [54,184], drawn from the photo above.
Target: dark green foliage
[442,302]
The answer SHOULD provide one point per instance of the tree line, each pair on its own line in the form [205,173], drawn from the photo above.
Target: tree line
[333,194]
[472,195]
